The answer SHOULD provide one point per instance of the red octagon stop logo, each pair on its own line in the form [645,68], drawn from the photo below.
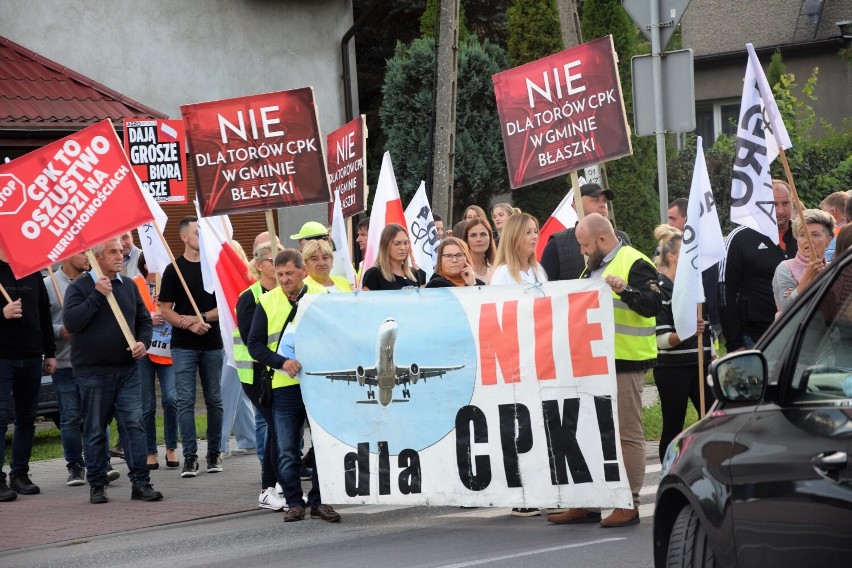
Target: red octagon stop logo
[13,194]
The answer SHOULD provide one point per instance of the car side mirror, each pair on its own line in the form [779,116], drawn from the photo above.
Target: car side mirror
[739,377]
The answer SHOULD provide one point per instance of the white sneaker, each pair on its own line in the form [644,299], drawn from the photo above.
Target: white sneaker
[269,499]
[278,489]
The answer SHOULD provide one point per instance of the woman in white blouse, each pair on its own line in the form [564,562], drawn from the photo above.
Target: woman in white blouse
[516,262]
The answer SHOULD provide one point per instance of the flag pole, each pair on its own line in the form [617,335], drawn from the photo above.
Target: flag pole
[177,271]
[578,199]
[795,195]
[56,286]
[113,303]
[270,227]
[700,367]
[5,294]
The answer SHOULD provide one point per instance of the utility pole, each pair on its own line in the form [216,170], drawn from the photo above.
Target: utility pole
[444,149]
[569,23]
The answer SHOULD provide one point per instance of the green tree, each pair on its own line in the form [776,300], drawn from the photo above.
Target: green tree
[427,22]
[480,170]
[776,68]
[633,178]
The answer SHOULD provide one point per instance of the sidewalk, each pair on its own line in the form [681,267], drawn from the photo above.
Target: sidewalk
[61,513]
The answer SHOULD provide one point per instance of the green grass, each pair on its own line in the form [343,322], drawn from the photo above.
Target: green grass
[652,419]
[48,444]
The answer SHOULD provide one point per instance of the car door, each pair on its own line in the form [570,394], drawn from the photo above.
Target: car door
[792,486]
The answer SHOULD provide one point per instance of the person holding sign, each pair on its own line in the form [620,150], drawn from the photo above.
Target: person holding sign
[27,350]
[637,301]
[274,313]
[157,364]
[196,349]
[746,302]
[561,257]
[676,372]
[105,369]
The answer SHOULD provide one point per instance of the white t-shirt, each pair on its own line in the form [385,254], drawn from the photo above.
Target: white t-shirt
[501,276]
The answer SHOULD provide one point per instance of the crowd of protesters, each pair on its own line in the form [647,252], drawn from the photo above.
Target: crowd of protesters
[61,325]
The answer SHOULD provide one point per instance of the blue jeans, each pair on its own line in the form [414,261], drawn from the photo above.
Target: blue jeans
[147,370]
[260,434]
[103,397]
[20,381]
[238,412]
[65,387]
[288,412]
[208,365]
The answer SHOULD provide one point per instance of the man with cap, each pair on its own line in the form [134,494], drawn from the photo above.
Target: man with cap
[310,231]
[561,258]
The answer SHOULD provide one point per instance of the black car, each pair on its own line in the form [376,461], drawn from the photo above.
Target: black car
[765,478]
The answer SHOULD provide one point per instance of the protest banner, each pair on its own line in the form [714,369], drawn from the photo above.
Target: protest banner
[156,152]
[347,166]
[257,152]
[485,396]
[67,197]
[562,113]
[420,225]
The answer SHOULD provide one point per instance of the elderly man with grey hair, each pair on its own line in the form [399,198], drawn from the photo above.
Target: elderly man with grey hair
[105,369]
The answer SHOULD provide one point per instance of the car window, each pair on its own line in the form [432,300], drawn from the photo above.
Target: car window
[776,350]
[823,371]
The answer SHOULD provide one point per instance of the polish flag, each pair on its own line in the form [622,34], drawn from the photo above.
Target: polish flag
[224,273]
[563,217]
[387,209]
[153,245]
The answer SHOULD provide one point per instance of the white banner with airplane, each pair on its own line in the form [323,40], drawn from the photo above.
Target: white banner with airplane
[498,396]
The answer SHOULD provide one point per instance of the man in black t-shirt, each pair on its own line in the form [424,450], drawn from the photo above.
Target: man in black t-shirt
[196,347]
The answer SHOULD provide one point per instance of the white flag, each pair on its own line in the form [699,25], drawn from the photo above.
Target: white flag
[342,261]
[156,255]
[422,232]
[753,203]
[702,247]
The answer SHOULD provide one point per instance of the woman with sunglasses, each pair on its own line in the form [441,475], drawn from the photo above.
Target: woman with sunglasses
[454,266]
[392,270]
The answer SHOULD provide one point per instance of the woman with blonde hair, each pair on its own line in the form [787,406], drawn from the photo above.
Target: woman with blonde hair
[392,270]
[516,262]
[500,213]
[478,237]
[319,260]
[676,372]
[454,266]
[474,212]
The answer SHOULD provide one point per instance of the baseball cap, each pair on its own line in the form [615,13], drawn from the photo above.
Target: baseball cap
[309,230]
[593,190]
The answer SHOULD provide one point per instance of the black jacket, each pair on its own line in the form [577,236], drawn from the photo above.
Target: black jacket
[746,302]
[561,257]
[31,335]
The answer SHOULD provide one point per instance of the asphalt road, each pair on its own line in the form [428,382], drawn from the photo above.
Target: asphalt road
[414,537]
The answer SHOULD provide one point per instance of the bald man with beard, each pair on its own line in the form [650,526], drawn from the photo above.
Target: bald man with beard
[636,302]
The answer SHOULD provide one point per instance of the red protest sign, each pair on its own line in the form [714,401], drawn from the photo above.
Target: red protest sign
[562,113]
[257,152]
[347,166]
[67,197]
[155,149]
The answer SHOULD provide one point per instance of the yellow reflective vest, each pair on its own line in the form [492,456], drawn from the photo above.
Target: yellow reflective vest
[277,307]
[635,335]
[244,362]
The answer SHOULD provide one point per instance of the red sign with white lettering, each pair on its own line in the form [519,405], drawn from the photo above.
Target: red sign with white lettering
[156,150]
[67,197]
[347,166]
[257,152]
[562,113]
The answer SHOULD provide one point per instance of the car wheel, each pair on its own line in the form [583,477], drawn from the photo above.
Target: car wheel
[688,544]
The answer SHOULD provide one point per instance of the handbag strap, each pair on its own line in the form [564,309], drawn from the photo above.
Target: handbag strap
[287,321]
